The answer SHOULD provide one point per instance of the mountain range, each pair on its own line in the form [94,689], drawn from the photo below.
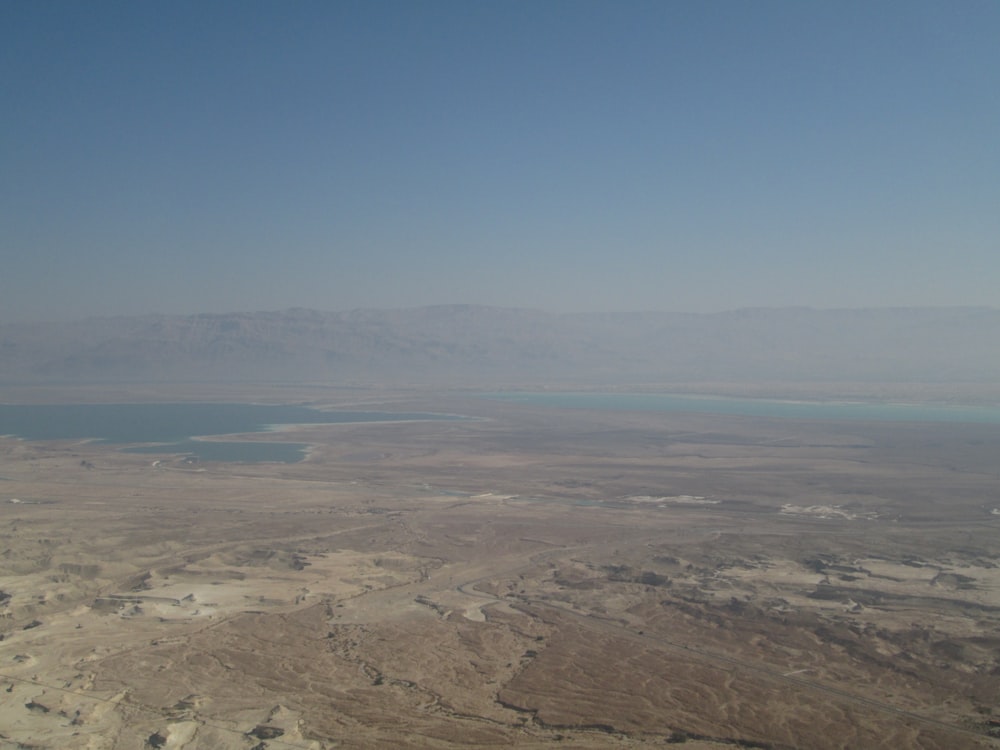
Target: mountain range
[455,344]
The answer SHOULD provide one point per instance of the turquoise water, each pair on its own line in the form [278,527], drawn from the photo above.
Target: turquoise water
[753,407]
[171,426]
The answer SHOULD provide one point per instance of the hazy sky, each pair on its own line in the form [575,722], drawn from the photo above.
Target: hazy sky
[698,155]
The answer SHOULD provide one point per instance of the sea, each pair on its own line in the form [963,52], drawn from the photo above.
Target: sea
[173,428]
[759,407]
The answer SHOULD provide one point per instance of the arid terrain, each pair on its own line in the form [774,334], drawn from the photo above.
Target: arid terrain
[529,577]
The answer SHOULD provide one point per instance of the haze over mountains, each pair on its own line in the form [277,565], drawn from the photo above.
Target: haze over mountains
[454,344]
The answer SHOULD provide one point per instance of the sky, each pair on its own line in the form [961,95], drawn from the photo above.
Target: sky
[700,156]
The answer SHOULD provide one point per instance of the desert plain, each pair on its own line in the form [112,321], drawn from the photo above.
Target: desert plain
[528,577]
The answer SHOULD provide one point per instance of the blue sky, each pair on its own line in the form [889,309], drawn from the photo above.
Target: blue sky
[185,157]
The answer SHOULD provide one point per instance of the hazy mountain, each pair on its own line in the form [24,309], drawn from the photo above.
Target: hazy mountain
[467,343]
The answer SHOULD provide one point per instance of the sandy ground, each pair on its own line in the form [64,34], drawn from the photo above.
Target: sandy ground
[528,579]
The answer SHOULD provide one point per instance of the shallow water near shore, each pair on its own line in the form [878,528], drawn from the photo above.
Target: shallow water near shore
[753,407]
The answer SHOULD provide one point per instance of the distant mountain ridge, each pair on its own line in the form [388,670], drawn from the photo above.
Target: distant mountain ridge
[454,344]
